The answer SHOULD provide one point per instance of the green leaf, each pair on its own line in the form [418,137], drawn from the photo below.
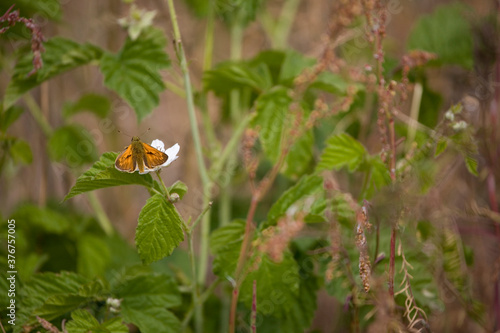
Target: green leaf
[293,64]
[44,288]
[471,164]
[299,158]
[84,322]
[238,12]
[145,298]
[73,144]
[93,255]
[178,187]
[9,116]
[272,111]
[104,174]
[46,9]
[379,176]
[60,55]
[134,71]
[21,152]
[94,103]
[58,305]
[307,186]
[441,147]
[330,82]
[342,150]
[159,230]
[46,218]
[447,33]
[225,244]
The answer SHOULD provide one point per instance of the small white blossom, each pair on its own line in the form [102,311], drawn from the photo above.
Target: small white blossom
[137,21]
[460,125]
[449,115]
[113,302]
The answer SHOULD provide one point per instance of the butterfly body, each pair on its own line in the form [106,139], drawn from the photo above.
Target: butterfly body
[140,156]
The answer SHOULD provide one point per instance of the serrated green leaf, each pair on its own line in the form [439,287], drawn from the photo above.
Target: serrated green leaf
[41,287]
[306,186]
[84,322]
[150,319]
[225,244]
[57,305]
[293,64]
[446,33]
[93,255]
[441,147]
[21,152]
[104,174]
[299,158]
[134,71]
[73,144]
[342,150]
[471,164]
[94,103]
[159,230]
[271,118]
[46,218]
[60,55]
[9,116]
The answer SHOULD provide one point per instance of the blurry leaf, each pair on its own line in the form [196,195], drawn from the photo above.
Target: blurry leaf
[145,298]
[441,147]
[298,159]
[84,322]
[97,104]
[154,289]
[93,255]
[159,230]
[104,174]
[47,9]
[447,33]
[273,60]
[293,64]
[379,176]
[46,218]
[21,152]
[306,186]
[342,150]
[272,110]
[57,305]
[240,12]
[225,244]
[9,116]
[134,71]
[228,76]
[60,55]
[330,82]
[430,105]
[471,164]
[178,187]
[40,288]
[200,8]
[73,144]
[95,288]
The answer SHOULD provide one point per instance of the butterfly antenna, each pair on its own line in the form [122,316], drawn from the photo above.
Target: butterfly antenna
[121,132]
[145,131]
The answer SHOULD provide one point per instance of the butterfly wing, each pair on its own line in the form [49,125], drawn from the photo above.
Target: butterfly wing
[126,161]
[153,158]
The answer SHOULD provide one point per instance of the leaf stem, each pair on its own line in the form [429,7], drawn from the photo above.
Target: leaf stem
[167,194]
[102,218]
[37,114]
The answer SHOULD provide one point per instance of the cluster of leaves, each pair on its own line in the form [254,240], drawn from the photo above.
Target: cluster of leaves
[78,275]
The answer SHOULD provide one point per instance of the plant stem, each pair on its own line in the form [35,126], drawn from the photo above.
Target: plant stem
[415,109]
[205,227]
[163,185]
[195,291]
[203,297]
[36,112]
[102,218]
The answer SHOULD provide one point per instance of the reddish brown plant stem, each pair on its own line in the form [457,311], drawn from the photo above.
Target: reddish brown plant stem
[392,260]
[253,323]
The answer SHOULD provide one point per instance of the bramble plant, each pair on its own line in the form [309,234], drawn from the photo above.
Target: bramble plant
[337,192]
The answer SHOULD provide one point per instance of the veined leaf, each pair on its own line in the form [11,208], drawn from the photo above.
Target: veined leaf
[307,185]
[299,158]
[471,164]
[134,71]
[60,55]
[104,174]
[150,319]
[74,144]
[159,230]
[441,147]
[447,33]
[95,103]
[84,322]
[225,244]
[342,150]
[272,111]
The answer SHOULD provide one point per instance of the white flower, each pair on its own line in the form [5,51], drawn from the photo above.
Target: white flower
[449,115]
[458,126]
[171,152]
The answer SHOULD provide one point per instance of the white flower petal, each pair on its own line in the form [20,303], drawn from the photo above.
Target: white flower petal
[172,154]
[158,144]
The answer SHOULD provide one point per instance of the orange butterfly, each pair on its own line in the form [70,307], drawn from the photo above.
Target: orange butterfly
[140,156]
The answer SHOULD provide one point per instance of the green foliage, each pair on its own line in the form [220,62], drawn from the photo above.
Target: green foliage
[446,33]
[9,116]
[225,243]
[342,150]
[104,174]
[73,144]
[239,12]
[83,322]
[134,71]
[61,55]
[159,230]
[94,103]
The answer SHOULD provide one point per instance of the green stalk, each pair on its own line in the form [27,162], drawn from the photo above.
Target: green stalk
[205,225]
[102,218]
[414,112]
[36,112]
